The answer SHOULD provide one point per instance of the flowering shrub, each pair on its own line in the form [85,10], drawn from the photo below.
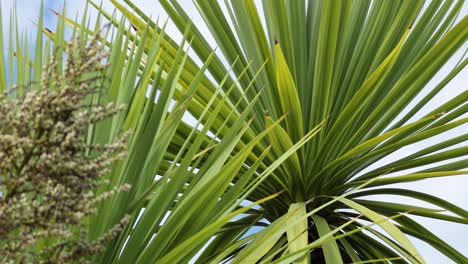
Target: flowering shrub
[48,173]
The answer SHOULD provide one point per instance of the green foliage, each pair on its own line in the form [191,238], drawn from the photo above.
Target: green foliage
[351,71]
[300,107]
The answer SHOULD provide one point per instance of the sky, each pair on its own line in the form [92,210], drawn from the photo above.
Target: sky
[452,189]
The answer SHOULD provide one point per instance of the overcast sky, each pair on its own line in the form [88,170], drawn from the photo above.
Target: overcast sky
[451,189]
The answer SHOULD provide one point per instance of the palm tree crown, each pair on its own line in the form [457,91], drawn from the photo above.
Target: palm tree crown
[298,108]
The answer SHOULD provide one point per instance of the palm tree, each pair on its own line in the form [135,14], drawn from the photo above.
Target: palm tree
[340,77]
[292,118]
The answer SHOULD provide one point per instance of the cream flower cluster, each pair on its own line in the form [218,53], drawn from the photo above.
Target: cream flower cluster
[49,174]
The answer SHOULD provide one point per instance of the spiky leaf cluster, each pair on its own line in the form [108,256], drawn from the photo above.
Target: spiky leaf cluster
[48,173]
